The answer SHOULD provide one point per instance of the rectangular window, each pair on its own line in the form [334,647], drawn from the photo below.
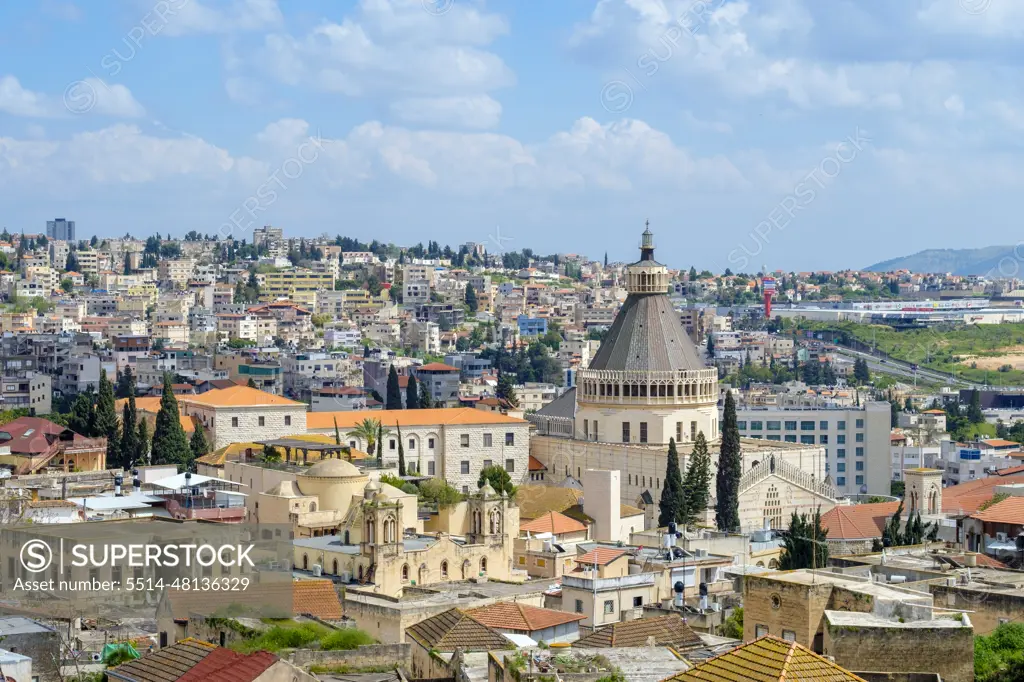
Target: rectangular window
[586,429]
[841,467]
[609,606]
[859,466]
[823,440]
[741,425]
[638,602]
[487,463]
[841,480]
[487,440]
[287,420]
[823,425]
[807,440]
[774,425]
[840,452]
[774,437]
[541,563]
[841,439]
[860,423]
[430,468]
[625,432]
[841,425]
[807,426]
[510,465]
[760,630]
[392,444]
[522,561]
[464,440]
[791,426]
[679,432]
[756,426]
[412,443]
[579,606]
[234,421]
[510,439]
[859,451]
[790,437]
[464,466]
[789,635]
[263,421]
[859,480]
[693,430]
[430,443]
[859,438]
[643,432]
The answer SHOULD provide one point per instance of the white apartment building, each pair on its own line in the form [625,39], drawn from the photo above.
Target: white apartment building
[858,455]
[535,395]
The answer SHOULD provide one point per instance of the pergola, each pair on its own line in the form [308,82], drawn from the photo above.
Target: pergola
[326,450]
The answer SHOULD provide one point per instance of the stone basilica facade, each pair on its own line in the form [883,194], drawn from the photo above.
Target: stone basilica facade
[648,384]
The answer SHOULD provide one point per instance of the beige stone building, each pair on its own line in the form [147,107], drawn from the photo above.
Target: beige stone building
[648,384]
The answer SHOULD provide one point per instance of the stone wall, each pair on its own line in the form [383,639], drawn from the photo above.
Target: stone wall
[986,609]
[370,655]
[476,453]
[946,651]
[784,606]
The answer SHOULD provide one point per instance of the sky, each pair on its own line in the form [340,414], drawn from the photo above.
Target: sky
[797,134]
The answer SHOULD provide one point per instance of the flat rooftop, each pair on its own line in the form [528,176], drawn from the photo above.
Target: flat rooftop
[853,583]
[855,619]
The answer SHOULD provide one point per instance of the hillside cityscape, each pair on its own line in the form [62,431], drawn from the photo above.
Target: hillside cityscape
[492,341]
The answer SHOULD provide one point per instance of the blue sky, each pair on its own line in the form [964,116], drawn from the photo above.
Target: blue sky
[800,134]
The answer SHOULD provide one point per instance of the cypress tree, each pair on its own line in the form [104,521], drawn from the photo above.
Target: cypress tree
[805,544]
[251,383]
[424,402]
[106,419]
[394,398]
[198,445]
[81,418]
[697,484]
[670,507]
[412,395]
[129,435]
[401,452]
[144,442]
[125,384]
[727,505]
[380,445]
[337,433]
[170,445]
[506,390]
[471,301]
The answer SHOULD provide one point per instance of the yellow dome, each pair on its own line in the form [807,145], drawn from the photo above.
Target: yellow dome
[332,468]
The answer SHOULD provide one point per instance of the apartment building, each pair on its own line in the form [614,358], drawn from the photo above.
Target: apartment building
[176,272]
[300,286]
[88,262]
[856,440]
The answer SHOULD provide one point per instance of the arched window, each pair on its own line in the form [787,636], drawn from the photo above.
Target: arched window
[483,565]
[334,566]
[405,572]
[312,506]
[346,538]
[360,573]
[305,562]
[444,570]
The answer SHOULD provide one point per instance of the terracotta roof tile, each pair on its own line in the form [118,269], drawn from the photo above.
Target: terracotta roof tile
[858,521]
[669,630]
[766,659]
[454,629]
[536,464]
[317,598]
[553,522]
[601,556]
[965,498]
[1010,511]
[520,617]
[224,665]
[164,665]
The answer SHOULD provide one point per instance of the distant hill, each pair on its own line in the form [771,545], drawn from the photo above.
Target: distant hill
[957,261]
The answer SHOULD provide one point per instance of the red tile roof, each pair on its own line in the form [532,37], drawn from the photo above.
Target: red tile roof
[520,617]
[536,465]
[1010,511]
[858,521]
[437,367]
[553,522]
[967,497]
[601,556]
[224,665]
[33,435]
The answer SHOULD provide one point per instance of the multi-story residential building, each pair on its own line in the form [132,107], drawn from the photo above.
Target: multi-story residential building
[294,322]
[424,337]
[61,229]
[299,286]
[176,272]
[271,237]
[534,395]
[88,262]
[82,372]
[304,372]
[470,366]
[338,399]
[58,253]
[338,303]
[532,326]
[185,363]
[342,337]
[415,291]
[442,382]
[454,444]
[447,315]
[856,440]
[128,348]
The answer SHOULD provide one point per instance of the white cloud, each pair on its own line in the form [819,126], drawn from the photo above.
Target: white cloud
[18,101]
[114,99]
[187,17]
[987,18]
[479,111]
[91,95]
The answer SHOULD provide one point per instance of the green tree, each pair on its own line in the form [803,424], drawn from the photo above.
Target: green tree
[337,433]
[471,300]
[170,445]
[999,655]
[892,535]
[71,264]
[499,480]
[805,544]
[425,402]
[670,507]
[412,394]
[401,452]
[439,492]
[106,418]
[506,390]
[733,625]
[130,446]
[145,443]
[727,483]
[974,414]
[82,418]
[711,346]
[369,430]
[394,392]
[251,383]
[125,384]
[380,445]
[198,444]
[697,483]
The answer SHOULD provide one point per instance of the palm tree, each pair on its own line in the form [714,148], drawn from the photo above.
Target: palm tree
[368,431]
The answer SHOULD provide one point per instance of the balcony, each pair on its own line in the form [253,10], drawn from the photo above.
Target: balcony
[605,584]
